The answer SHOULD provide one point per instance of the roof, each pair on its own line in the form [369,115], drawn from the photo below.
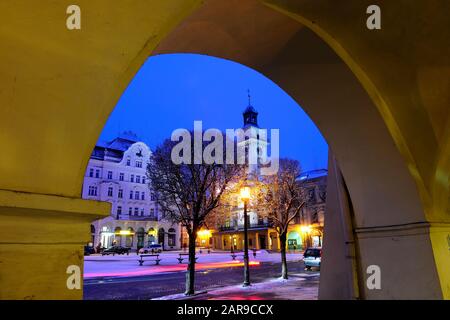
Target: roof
[116,147]
[250,109]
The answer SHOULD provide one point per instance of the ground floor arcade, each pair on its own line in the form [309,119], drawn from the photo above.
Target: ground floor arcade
[134,234]
[298,237]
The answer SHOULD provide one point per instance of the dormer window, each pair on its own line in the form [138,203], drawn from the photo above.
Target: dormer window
[128,162]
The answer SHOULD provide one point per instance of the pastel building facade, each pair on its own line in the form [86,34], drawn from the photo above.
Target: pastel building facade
[116,173]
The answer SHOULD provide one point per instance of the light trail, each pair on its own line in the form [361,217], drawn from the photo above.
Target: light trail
[149,269]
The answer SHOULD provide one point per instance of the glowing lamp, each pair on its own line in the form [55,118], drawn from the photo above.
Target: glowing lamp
[305,229]
[245,193]
[204,233]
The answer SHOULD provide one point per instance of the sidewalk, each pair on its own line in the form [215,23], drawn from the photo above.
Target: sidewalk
[301,286]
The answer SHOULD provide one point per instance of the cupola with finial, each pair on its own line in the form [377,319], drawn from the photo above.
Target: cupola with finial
[250,114]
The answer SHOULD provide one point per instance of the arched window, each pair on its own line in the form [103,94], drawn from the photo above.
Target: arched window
[171,237]
[140,234]
[129,238]
[161,233]
[117,237]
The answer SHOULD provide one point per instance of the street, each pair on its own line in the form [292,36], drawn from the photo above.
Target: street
[167,280]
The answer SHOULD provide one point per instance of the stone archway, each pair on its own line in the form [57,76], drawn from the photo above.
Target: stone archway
[61,85]
[140,238]
[162,237]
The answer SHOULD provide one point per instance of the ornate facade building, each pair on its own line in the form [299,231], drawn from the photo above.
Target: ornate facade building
[116,173]
[306,230]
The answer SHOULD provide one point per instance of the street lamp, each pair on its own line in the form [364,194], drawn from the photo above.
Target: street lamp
[245,196]
[306,230]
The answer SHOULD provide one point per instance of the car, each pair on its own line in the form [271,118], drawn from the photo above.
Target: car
[116,250]
[312,257]
[153,248]
[88,250]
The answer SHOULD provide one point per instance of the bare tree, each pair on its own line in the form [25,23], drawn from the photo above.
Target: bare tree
[282,201]
[188,193]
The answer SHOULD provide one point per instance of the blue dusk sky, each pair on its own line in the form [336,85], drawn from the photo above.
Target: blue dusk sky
[172,91]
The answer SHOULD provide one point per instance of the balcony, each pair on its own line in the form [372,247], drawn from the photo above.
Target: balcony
[240,227]
[137,218]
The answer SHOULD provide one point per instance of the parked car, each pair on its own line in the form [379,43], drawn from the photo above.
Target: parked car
[88,250]
[153,248]
[116,250]
[312,257]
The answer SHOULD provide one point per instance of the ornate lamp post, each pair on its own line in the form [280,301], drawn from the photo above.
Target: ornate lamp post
[245,196]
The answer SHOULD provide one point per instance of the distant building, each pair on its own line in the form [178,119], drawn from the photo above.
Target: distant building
[305,230]
[116,173]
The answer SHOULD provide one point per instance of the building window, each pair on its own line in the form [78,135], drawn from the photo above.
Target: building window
[311,196]
[138,179]
[131,195]
[143,180]
[142,212]
[136,195]
[91,172]
[136,211]
[143,196]
[132,178]
[138,164]
[110,191]
[110,175]
[92,191]
[121,176]
[128,162]
[97,173]
[130,211]
[152,197]
[152,212]
[120,194]
[119,210]
[171,238]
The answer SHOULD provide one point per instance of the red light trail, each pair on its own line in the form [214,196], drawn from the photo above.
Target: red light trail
[149,269]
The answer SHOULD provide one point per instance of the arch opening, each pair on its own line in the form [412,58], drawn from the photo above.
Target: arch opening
[366,153]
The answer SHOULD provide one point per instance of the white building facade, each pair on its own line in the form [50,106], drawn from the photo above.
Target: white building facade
[116,173]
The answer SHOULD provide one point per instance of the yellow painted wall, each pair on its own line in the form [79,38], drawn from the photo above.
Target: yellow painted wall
[57,88]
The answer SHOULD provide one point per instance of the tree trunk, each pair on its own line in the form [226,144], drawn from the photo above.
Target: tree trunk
[284,269]
[190,273]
